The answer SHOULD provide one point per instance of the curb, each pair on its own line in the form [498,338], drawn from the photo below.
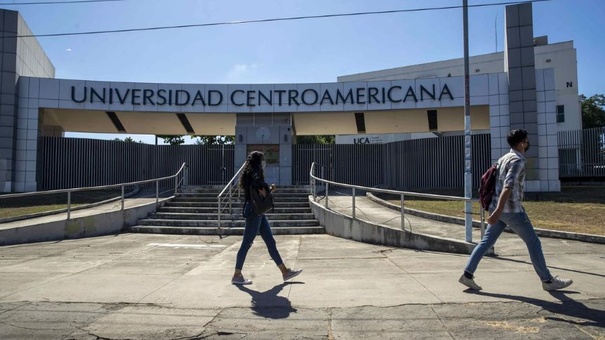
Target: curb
[476,224]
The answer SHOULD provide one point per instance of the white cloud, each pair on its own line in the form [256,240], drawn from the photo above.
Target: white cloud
[68,50]
[241,73]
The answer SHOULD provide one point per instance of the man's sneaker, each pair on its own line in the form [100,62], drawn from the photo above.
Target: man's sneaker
[240,280]
[470,283]
[291,273]
[556,283]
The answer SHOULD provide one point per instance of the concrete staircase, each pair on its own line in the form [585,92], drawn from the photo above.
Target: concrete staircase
[194,211]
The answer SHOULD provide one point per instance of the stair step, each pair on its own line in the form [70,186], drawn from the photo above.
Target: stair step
[235,209]
[213,216]
[157,229]
[277,204]
[194,211]
[227,221]
[214,200]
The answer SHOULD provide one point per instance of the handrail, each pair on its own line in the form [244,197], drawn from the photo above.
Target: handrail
[386,191]
[182,169]
[233,182]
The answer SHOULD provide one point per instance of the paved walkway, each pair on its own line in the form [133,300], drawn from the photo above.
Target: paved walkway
[141,286]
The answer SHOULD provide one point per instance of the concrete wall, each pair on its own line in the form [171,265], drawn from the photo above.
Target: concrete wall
[344,226]
[21,55]
[95,224]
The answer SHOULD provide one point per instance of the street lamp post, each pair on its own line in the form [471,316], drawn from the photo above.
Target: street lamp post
[468,184]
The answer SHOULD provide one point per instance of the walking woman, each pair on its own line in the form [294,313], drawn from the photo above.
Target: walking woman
[253,178]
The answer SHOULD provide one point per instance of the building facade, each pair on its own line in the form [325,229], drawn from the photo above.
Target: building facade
[531,85]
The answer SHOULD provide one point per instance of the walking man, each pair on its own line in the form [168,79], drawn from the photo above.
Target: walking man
[506,210]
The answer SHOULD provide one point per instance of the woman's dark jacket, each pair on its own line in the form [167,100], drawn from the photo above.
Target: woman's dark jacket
[254,179]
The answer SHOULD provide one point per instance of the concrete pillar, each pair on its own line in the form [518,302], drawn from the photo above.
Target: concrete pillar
[271,133]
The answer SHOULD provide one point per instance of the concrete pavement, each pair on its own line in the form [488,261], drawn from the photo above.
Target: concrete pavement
[146,286]
[141,286]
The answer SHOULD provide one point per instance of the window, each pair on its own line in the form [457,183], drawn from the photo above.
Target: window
[360,122]
[560,113]
[432,119]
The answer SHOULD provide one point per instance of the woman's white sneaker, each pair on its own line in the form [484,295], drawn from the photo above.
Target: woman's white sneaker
[556,283]
[470,283]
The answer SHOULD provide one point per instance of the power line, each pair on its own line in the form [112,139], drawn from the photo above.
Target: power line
[54,2]
[253,21]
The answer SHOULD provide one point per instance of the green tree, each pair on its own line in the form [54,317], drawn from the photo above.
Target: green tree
[214,140]
[593,111]
[127,139]
[322,139]
[172,139]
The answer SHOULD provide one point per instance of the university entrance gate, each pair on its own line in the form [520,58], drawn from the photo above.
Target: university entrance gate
[414,164]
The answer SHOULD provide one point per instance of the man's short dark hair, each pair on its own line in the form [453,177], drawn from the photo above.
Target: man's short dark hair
[515,137]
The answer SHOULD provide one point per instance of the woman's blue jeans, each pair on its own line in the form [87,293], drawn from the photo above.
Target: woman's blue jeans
[521,225]
[256,224]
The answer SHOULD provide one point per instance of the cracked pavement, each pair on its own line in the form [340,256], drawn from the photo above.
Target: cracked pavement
[145,286]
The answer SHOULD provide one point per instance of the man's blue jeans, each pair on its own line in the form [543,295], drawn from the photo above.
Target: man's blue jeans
[256,224]
[521,225]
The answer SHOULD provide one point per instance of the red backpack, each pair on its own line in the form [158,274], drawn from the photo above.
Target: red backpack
[487,186]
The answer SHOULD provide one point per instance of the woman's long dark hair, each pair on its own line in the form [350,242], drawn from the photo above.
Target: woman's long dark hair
[253,164]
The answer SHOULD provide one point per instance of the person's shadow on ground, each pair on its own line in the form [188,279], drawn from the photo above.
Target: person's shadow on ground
[580,314]
[268,304]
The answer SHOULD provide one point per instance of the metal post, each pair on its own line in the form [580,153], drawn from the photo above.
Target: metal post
[468,183]
[353,198]
[219,213]
[313,189]
[230,200]
[68,205]
[402,213]
[122,197]
[482,223]
[326,195]
[186,176]
[176,184]
[157,192]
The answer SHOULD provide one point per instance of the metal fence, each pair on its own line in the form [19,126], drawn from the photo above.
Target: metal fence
[412,164]
[360,164]
[582,153]
[75,162]
[405,165]
[435,162]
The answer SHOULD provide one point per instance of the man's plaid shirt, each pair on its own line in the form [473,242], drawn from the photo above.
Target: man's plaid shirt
[511,174]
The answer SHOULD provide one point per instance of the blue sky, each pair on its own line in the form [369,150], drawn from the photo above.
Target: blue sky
[299,51]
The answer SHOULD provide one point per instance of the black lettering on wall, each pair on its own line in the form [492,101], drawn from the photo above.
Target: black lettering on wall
[179,94]
[344,99]
[218,100]
[94,93]
[314,95]
[120,98]
[200,97]
[372,92]
[162,98]
[423,90]
[148,97]
[233,98]
[390,94]
[446,90]
[326,96]
[293,97]
[136,95]
[268,100]
[73,95]
[410,93]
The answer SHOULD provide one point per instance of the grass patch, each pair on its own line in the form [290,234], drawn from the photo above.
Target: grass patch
[574,209]
[21,206]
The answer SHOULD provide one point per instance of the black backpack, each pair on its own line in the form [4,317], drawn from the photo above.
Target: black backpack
[487,186]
